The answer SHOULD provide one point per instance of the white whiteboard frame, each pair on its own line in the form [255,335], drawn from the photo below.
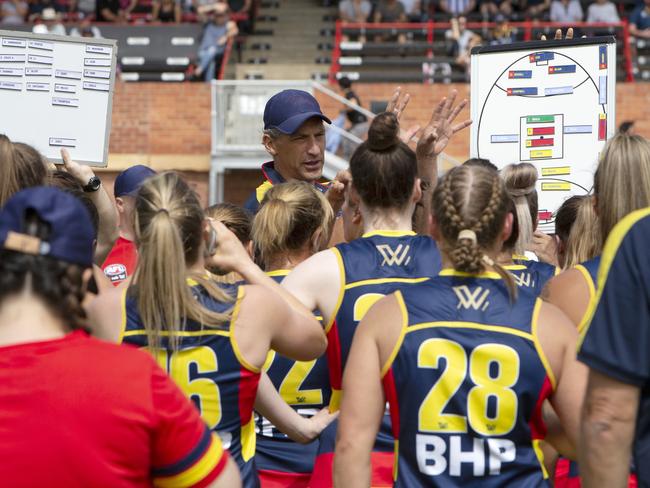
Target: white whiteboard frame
[85,41]
[532,46]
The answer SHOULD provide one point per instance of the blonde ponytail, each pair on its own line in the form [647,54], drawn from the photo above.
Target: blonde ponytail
[169,230]
[520,181]
[291,215]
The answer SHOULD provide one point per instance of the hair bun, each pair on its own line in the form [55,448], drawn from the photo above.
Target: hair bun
[519,179]
[383,133]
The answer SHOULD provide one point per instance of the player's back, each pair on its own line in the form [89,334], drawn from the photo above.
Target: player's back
[466,385]
[208,367]
[304,385]
[532,274]
[373,266]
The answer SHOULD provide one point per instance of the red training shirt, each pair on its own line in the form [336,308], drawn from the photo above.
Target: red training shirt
[79,412]
[121,261]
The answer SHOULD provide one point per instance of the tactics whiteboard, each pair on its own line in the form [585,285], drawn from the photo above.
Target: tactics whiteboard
[549,103]
[57,92]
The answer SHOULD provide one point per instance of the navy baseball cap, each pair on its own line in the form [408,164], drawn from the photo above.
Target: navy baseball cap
[71,230]
[129,181]
[288,110]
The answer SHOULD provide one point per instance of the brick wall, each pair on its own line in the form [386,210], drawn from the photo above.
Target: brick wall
[168,125]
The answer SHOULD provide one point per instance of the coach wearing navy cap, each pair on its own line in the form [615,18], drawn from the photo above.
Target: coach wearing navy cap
[121,261]
[294,136]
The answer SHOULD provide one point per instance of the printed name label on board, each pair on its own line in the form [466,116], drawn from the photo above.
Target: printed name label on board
[63,88]
[38,71]
[92,85]
[14,42]
[96,73]
[12,58]
[10,85]
[35,58]
[11,72]
[92,48]
[44,45]
[64,73]
[33,86]
[97,62]
[59,141]
[66,102]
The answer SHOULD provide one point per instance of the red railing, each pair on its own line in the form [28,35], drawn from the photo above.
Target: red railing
[431,28]
[225,59]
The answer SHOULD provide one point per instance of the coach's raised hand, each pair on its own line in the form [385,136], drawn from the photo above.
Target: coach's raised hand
[397,104]
[441,127]
[558,35]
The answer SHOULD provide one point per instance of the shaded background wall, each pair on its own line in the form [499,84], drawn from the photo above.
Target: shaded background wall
[167,126]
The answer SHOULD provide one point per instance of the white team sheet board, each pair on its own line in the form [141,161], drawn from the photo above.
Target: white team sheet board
[57,92]
[549,103]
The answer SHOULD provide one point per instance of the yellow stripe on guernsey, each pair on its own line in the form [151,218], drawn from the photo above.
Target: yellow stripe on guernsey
[262,189]
[487,274]
[614,241]
[471,325]
[592,295]
[123,319]
[389,233]
[396,460]
[248,438]
[198,471]
[538,345]
[233,340]
[540,456]
[402,333]
[339,300]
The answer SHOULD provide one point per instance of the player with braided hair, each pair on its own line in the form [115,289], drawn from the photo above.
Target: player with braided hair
[464,362]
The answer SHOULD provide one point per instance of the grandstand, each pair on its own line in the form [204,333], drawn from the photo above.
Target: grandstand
[296,40]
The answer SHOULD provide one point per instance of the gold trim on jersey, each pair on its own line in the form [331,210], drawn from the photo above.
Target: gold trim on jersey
[120,338]
[335,400]
[379,281]
[233,341]
[538,345]
[614,241]
[389,233]
[540,456]
[592,295]
[270,357]
[337,307]
[396,460]
[515,267]
[278,272]
[502,329]
[248,439]
[398,344]
[197,471]
[493,275]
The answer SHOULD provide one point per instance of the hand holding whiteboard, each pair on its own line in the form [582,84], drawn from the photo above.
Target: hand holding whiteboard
[57,92]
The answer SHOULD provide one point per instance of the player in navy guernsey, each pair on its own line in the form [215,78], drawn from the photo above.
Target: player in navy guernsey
[211,340]
[344,282]
[465,360]
[616,347]
[292,224]
[624,165]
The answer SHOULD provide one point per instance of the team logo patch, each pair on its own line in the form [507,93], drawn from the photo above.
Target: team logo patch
[397,256]
[115,272]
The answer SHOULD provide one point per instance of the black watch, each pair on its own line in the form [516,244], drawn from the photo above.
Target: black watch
[93,184]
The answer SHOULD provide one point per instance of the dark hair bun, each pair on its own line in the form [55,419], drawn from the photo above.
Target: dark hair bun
[383,133]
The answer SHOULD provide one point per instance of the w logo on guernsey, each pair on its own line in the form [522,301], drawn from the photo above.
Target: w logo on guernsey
[398,256]
[472,299]
[524,280]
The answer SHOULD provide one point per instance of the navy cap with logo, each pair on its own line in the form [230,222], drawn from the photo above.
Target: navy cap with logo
[71,233]
[288,110]
[129,181]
